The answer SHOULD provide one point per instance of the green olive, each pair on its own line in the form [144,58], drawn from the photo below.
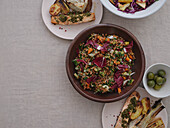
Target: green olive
[151,83]
[150,76]
[157,87]
[159,80]
[164,80]
[161,73]
[155,77]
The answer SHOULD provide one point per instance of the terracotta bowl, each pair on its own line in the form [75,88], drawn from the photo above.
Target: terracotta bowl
[138,67]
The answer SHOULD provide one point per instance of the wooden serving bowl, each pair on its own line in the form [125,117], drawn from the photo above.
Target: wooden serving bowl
[138,68]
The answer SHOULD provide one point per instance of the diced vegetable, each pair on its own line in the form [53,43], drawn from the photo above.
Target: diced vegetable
[142,4]
[101,39]
[90,50]
[107,39]
[119,90]
[76,75]
[126,43]
[125,74]
[128,59]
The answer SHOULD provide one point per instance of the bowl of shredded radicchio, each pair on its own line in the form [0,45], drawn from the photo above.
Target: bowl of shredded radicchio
[133,9]
[105,69]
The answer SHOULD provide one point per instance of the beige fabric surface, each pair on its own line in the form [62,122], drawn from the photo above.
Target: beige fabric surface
[34,89]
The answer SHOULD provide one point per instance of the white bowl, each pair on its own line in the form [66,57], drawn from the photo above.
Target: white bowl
[165,90]
[141,14]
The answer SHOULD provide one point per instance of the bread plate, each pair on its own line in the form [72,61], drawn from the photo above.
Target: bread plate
[69,31]
[112,110]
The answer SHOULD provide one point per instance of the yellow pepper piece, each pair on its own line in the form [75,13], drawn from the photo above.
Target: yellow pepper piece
[125,1]
[142,4]
[123,7]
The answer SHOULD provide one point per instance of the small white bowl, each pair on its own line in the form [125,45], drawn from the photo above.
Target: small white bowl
[141,14]
[165,90]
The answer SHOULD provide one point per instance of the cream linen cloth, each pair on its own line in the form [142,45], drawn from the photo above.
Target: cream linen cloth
[34,89]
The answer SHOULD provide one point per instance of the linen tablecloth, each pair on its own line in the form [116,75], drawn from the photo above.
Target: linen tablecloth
[34,89]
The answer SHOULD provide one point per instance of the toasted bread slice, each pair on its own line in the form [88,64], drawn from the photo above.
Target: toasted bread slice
[89,6]
[77,5]
[64,8]
[55,9]
[68,19]
[119,120]
[146,105]
[139,109]
[156,123]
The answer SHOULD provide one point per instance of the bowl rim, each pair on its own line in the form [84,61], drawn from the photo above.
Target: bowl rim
[125,15]
[93,98]
[144,76]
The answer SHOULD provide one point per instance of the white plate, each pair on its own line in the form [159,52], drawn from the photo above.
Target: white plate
[112,110]
[70,31]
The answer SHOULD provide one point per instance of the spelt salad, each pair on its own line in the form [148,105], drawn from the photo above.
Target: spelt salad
[104,63]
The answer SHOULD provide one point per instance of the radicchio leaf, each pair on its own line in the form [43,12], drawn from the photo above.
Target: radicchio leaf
[119,81]
[92,79]
[127,48]
[94,44]
[123,66]
[100,61]
[114,86]
[118,73]
[81,66]
[104,48]
[97,46]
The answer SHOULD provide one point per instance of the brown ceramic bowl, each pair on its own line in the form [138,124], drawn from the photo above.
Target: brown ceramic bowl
[138,67]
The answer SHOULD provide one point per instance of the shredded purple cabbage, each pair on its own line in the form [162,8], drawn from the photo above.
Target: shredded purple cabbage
[134,7]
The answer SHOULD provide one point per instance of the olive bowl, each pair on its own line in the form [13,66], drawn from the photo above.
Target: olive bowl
[138,68]
[165,89]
